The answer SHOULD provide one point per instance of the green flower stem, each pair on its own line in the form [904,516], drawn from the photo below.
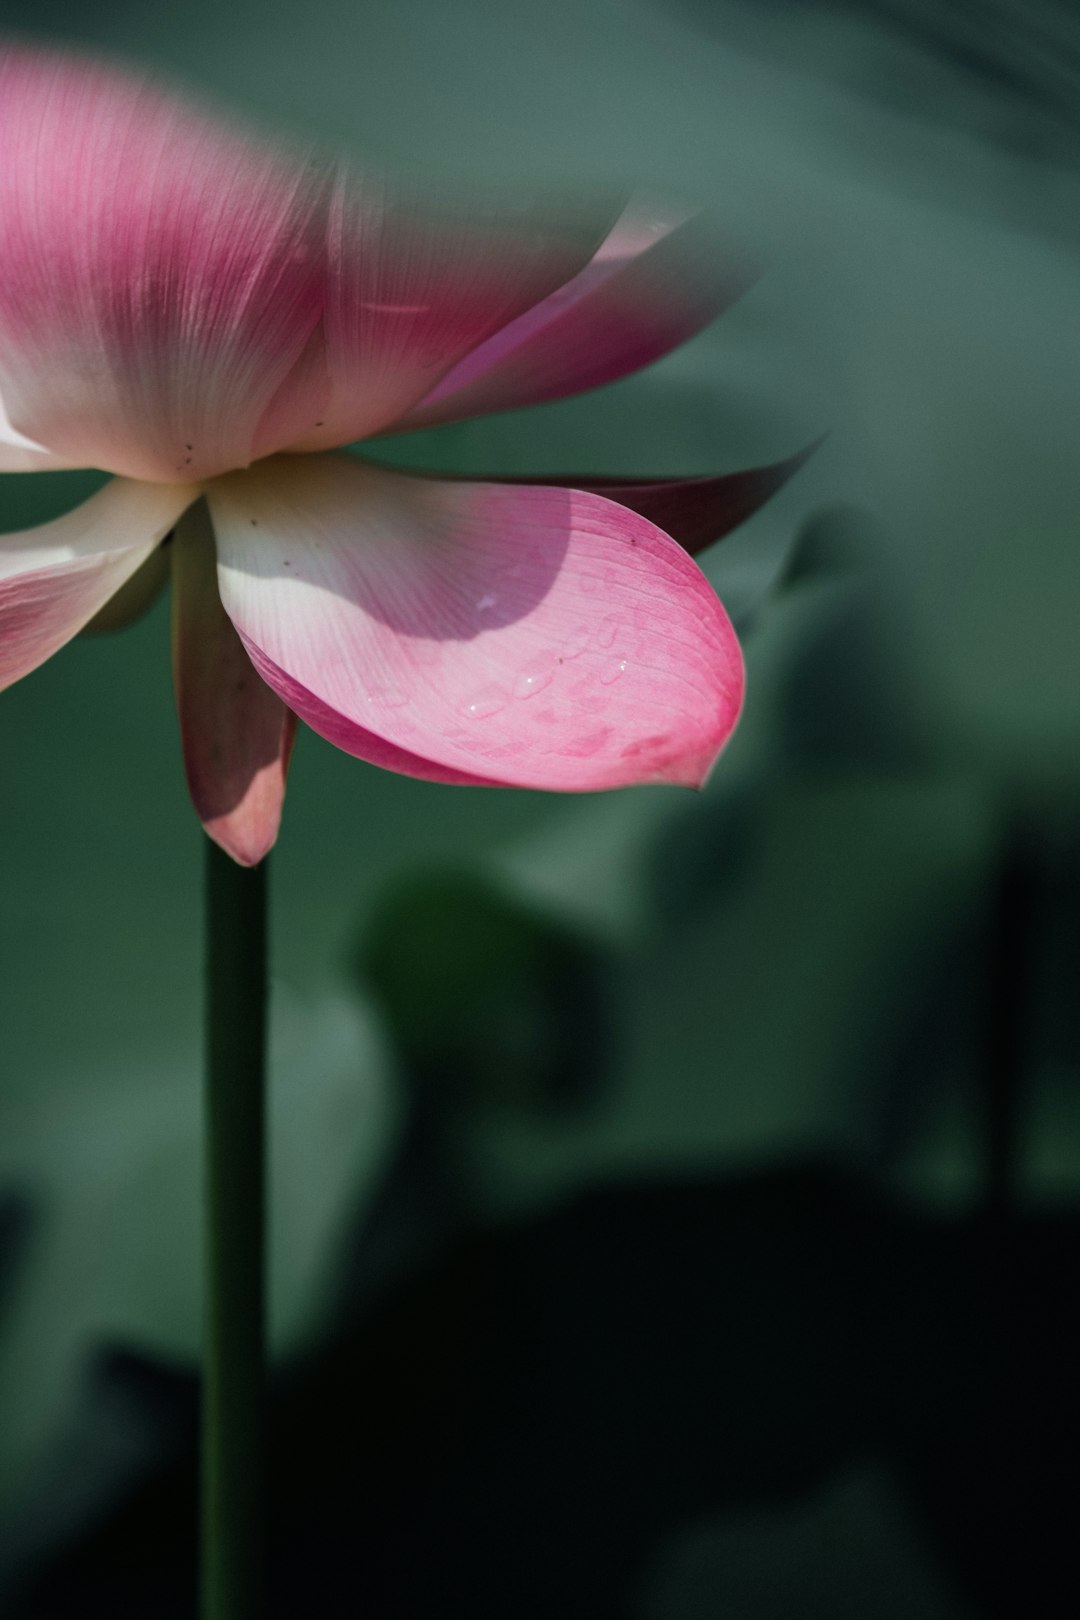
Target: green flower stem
[235,1176]
[1012,940]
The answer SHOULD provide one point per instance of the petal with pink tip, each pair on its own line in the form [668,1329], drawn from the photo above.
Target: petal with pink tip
[534,637]
[657,280]
[237,735]
[416,279]
[53,579]
[162,275]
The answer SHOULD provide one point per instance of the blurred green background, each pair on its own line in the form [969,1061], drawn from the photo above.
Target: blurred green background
[674,1197]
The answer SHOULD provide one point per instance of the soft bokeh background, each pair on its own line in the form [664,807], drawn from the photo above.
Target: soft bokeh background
[674,1196]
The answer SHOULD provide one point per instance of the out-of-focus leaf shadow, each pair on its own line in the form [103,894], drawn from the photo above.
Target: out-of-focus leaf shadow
[495,1010]
[516,1429]
[489,1002]
[848,700]
[520,1420]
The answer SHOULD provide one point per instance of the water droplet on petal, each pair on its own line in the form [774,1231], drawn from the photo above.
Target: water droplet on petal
[486,602]
[486,702]
[612,672]
[537,674]
[607,632]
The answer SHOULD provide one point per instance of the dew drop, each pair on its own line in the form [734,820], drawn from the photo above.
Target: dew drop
[607,632]
[611,674]
[486,702]
[486,602]
[534,677]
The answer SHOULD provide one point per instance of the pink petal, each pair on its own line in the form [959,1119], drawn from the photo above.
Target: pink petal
[161,275]
[532,637]
[237,735]
[417,279]
[658,279]
[53,579]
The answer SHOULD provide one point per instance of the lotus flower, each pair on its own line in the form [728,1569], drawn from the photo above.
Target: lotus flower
[209,321]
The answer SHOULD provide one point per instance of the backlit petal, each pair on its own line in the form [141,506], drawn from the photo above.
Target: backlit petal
[534,637]
[417,277]
[237,735]
[54,578]
[658,279]
[161,274]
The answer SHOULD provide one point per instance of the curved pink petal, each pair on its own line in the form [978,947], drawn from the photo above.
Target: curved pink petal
[161,275]
[534,637]
[416,279]
[657,280]
[54,578]
[237,735]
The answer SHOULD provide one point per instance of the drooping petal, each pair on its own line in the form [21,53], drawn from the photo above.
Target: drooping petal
[534,637]
[54,578]
[237,734]
[418,277]
[657,280]
[161,274]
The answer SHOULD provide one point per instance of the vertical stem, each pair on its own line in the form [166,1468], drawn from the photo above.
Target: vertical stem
[1012,941]
[234,1170]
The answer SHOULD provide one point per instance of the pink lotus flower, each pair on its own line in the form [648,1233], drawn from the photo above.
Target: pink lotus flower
[207,320]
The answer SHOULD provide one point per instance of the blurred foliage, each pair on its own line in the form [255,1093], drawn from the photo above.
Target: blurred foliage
[489,1004]
[658,1232]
